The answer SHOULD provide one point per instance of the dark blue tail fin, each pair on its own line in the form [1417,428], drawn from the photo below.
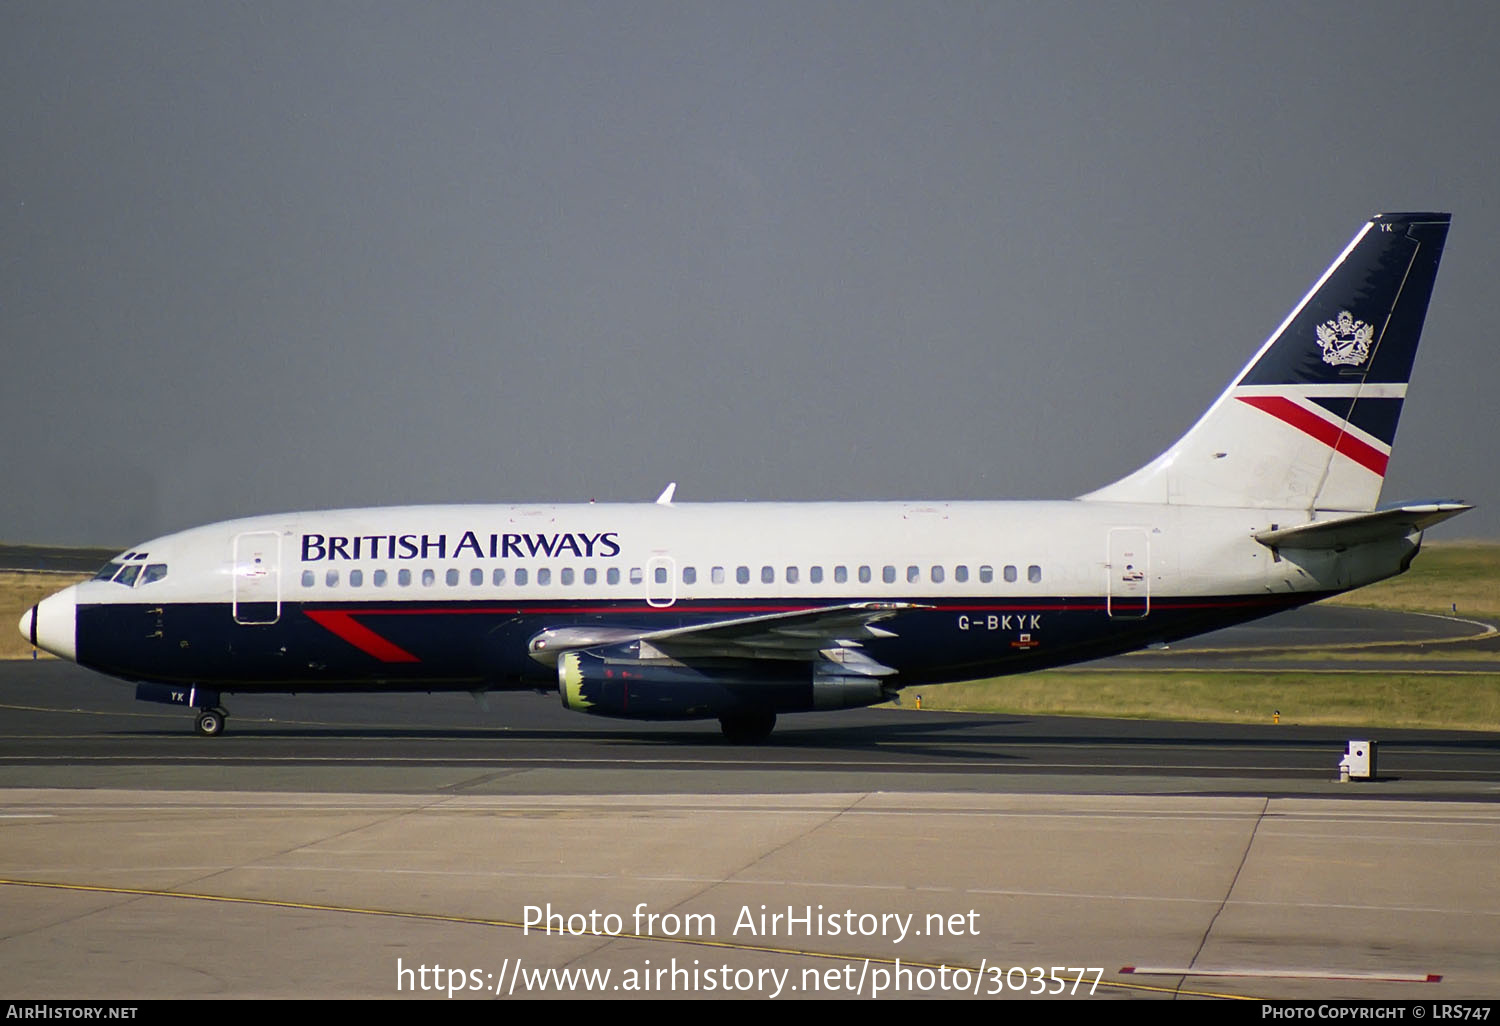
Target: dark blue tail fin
[1310,422]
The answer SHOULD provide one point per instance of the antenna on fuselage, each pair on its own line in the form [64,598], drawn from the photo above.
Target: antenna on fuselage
[665,498]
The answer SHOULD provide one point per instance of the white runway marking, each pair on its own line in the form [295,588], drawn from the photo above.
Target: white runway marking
[1285,974]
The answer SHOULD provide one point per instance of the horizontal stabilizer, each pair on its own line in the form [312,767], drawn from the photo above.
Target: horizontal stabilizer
[1360,528]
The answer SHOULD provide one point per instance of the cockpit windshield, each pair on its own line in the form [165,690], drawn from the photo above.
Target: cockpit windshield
[131,574]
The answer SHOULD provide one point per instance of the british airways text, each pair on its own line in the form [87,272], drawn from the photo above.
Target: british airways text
[317,547]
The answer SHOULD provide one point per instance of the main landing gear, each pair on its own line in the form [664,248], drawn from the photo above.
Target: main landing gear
[747,728]
[210,722]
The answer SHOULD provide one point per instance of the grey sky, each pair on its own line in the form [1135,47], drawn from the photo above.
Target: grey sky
[268,256]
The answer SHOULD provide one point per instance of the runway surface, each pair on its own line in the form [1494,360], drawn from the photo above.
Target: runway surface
[68,727]
[346,846]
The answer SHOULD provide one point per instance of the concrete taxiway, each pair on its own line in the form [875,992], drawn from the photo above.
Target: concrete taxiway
[130,894]
[396,846]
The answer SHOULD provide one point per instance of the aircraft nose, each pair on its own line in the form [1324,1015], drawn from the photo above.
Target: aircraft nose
[52,623]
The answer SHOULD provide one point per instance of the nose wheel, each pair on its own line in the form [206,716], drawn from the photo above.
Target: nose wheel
[211,722]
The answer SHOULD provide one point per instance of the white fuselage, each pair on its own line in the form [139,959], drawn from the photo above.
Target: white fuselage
[742,611]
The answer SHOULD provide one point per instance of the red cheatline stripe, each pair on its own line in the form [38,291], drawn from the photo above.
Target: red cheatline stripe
[341,622]
[938,605]
[1285,410]
[361,637]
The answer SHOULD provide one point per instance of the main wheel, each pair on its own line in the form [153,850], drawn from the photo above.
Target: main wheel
[210,723]
[747,728]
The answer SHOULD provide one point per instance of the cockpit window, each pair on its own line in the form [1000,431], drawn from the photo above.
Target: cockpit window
[131,574]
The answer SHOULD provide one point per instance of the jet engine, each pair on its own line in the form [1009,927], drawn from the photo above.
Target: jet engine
[618,682]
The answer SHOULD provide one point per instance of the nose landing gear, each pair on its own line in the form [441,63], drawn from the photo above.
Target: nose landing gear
[210,722]
[211,715]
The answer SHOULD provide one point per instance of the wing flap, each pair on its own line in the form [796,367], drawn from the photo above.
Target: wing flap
[845,661]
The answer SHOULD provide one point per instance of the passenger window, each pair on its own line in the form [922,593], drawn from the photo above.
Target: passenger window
[815,575]
[356,578]
[767,575]
[986,574]
[791,575]
[1034,574]
[888,575]
[840,575]
[331,578]
[660,575]
[613,575]
[913,574]
[308,578]
[864,575]
[637,575]
[403,577]
[961,573]
[590,575]
[742,575]
[154,572]
[521,577]
[717,575]
[1010,575]
[498,577]
[567,575]
[476,577]
[937,575]
[689,575]
[451,577]
[429,578]
[379,578]
[544,576]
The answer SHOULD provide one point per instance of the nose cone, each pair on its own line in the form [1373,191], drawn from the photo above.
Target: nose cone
[52,623]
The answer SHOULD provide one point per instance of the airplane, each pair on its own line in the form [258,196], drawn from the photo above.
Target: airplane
[741,612]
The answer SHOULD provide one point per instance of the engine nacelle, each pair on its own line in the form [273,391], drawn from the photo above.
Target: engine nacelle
[615,683]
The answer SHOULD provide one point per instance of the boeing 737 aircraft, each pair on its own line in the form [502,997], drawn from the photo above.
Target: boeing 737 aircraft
[740,612]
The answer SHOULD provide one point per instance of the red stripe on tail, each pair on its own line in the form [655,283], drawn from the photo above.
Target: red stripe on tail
[1340,441]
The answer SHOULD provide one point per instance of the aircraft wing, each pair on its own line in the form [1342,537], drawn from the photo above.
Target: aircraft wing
[830,633]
